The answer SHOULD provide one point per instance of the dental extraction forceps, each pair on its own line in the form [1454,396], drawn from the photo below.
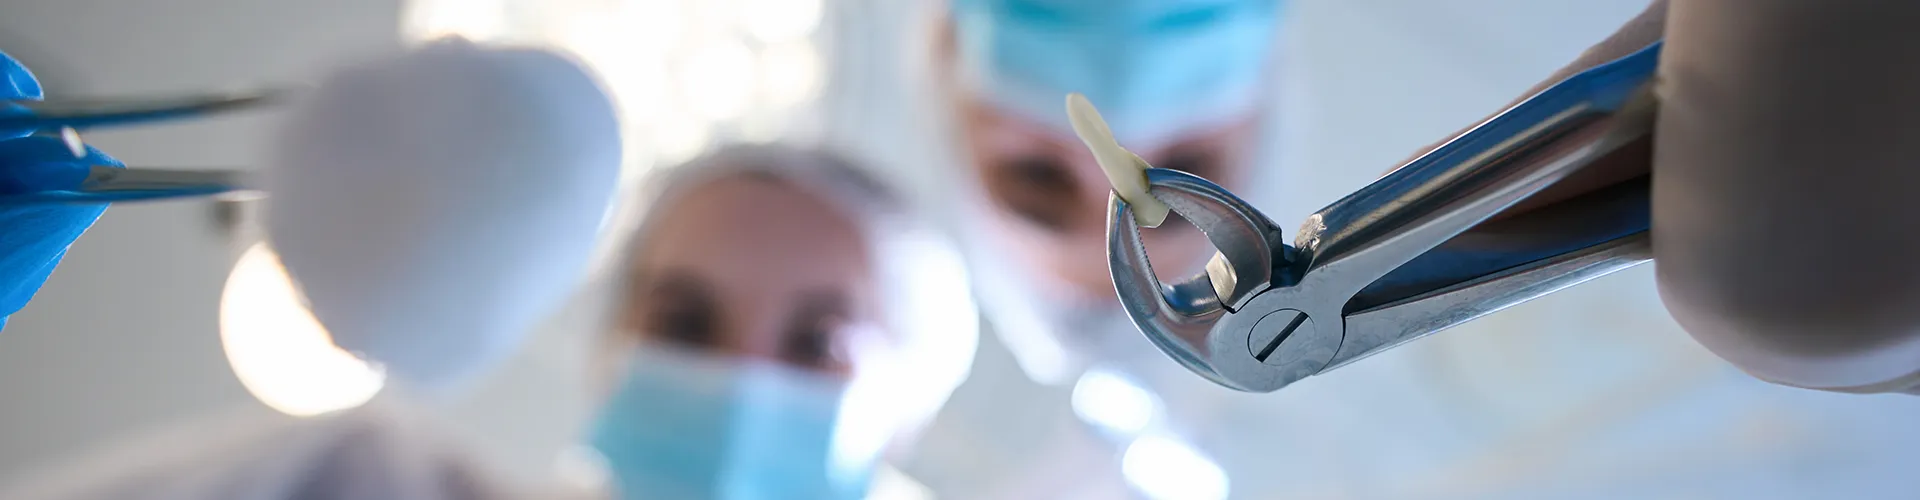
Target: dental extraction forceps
[103,183]
[1415,252]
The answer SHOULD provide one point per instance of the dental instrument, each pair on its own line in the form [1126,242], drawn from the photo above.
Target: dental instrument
[103,183]
[1415,252]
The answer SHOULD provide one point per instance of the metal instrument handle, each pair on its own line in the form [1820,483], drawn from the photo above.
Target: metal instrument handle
[1362,237]
[105,184]
[86,113]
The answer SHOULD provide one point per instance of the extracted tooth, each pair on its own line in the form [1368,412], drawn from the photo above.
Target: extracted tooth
[1127,171]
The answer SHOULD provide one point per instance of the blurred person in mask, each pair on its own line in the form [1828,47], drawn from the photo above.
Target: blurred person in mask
[1477,414]
[1185,84]
[782,321]
[781,326]
[1181,82]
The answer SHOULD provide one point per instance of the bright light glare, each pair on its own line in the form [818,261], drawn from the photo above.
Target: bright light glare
[581,467]
[1165,469]
[637,83]
[790,73]
[779,20]
[1040,354]
[679,140]
[655,26]
[278,350]
[876,403]
[1112,402]
[718,79]
[904,369]
[891,484]
[471,19]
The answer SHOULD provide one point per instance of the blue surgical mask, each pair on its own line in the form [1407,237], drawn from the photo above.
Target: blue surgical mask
[1155,68]
[685,425]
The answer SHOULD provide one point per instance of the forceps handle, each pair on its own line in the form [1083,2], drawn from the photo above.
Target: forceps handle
[1362,237]
[105,184]
[86,113]
[1599,233]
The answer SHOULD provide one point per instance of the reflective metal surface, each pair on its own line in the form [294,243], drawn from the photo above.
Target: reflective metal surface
[1175,317]
[107,184]
[1405,256]
[85,113]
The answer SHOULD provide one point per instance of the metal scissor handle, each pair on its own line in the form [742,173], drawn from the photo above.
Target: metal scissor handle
[1405,256]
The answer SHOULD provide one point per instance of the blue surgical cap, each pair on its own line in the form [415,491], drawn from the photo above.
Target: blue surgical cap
[1155,68]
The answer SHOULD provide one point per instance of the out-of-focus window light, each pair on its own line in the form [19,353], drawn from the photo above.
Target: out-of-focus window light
[675,144]
[472,19]
[717,79]
[687,74]
[280,353]
[1113,403]
[775,21]
[655,25]
[790,73]
[1163,468]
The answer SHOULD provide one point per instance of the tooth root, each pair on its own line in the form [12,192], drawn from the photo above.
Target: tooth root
[1127,171]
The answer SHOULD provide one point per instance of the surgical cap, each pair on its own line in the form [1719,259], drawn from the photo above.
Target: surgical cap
[1155,68]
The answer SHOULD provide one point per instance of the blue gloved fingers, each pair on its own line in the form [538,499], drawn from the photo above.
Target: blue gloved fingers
[34,237]
[35,164]
[16,83]
[24,278]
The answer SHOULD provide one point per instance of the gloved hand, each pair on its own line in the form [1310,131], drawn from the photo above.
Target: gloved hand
[34,237]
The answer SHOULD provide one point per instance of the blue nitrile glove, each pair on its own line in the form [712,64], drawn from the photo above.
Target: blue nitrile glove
[33,237]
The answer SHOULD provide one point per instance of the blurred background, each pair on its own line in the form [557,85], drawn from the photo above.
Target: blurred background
[168,310]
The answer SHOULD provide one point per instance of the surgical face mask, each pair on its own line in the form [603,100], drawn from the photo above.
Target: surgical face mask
[686,425]
[1155,68]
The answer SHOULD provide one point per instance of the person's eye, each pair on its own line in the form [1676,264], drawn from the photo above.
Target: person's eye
[812,348]
[816,333]
[678,311]
[1039,189]
[689,326]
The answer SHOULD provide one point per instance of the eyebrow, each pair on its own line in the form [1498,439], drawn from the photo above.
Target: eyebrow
[668,284]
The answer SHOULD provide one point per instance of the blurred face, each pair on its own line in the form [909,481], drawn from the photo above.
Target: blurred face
[751,267]
[1050,197]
